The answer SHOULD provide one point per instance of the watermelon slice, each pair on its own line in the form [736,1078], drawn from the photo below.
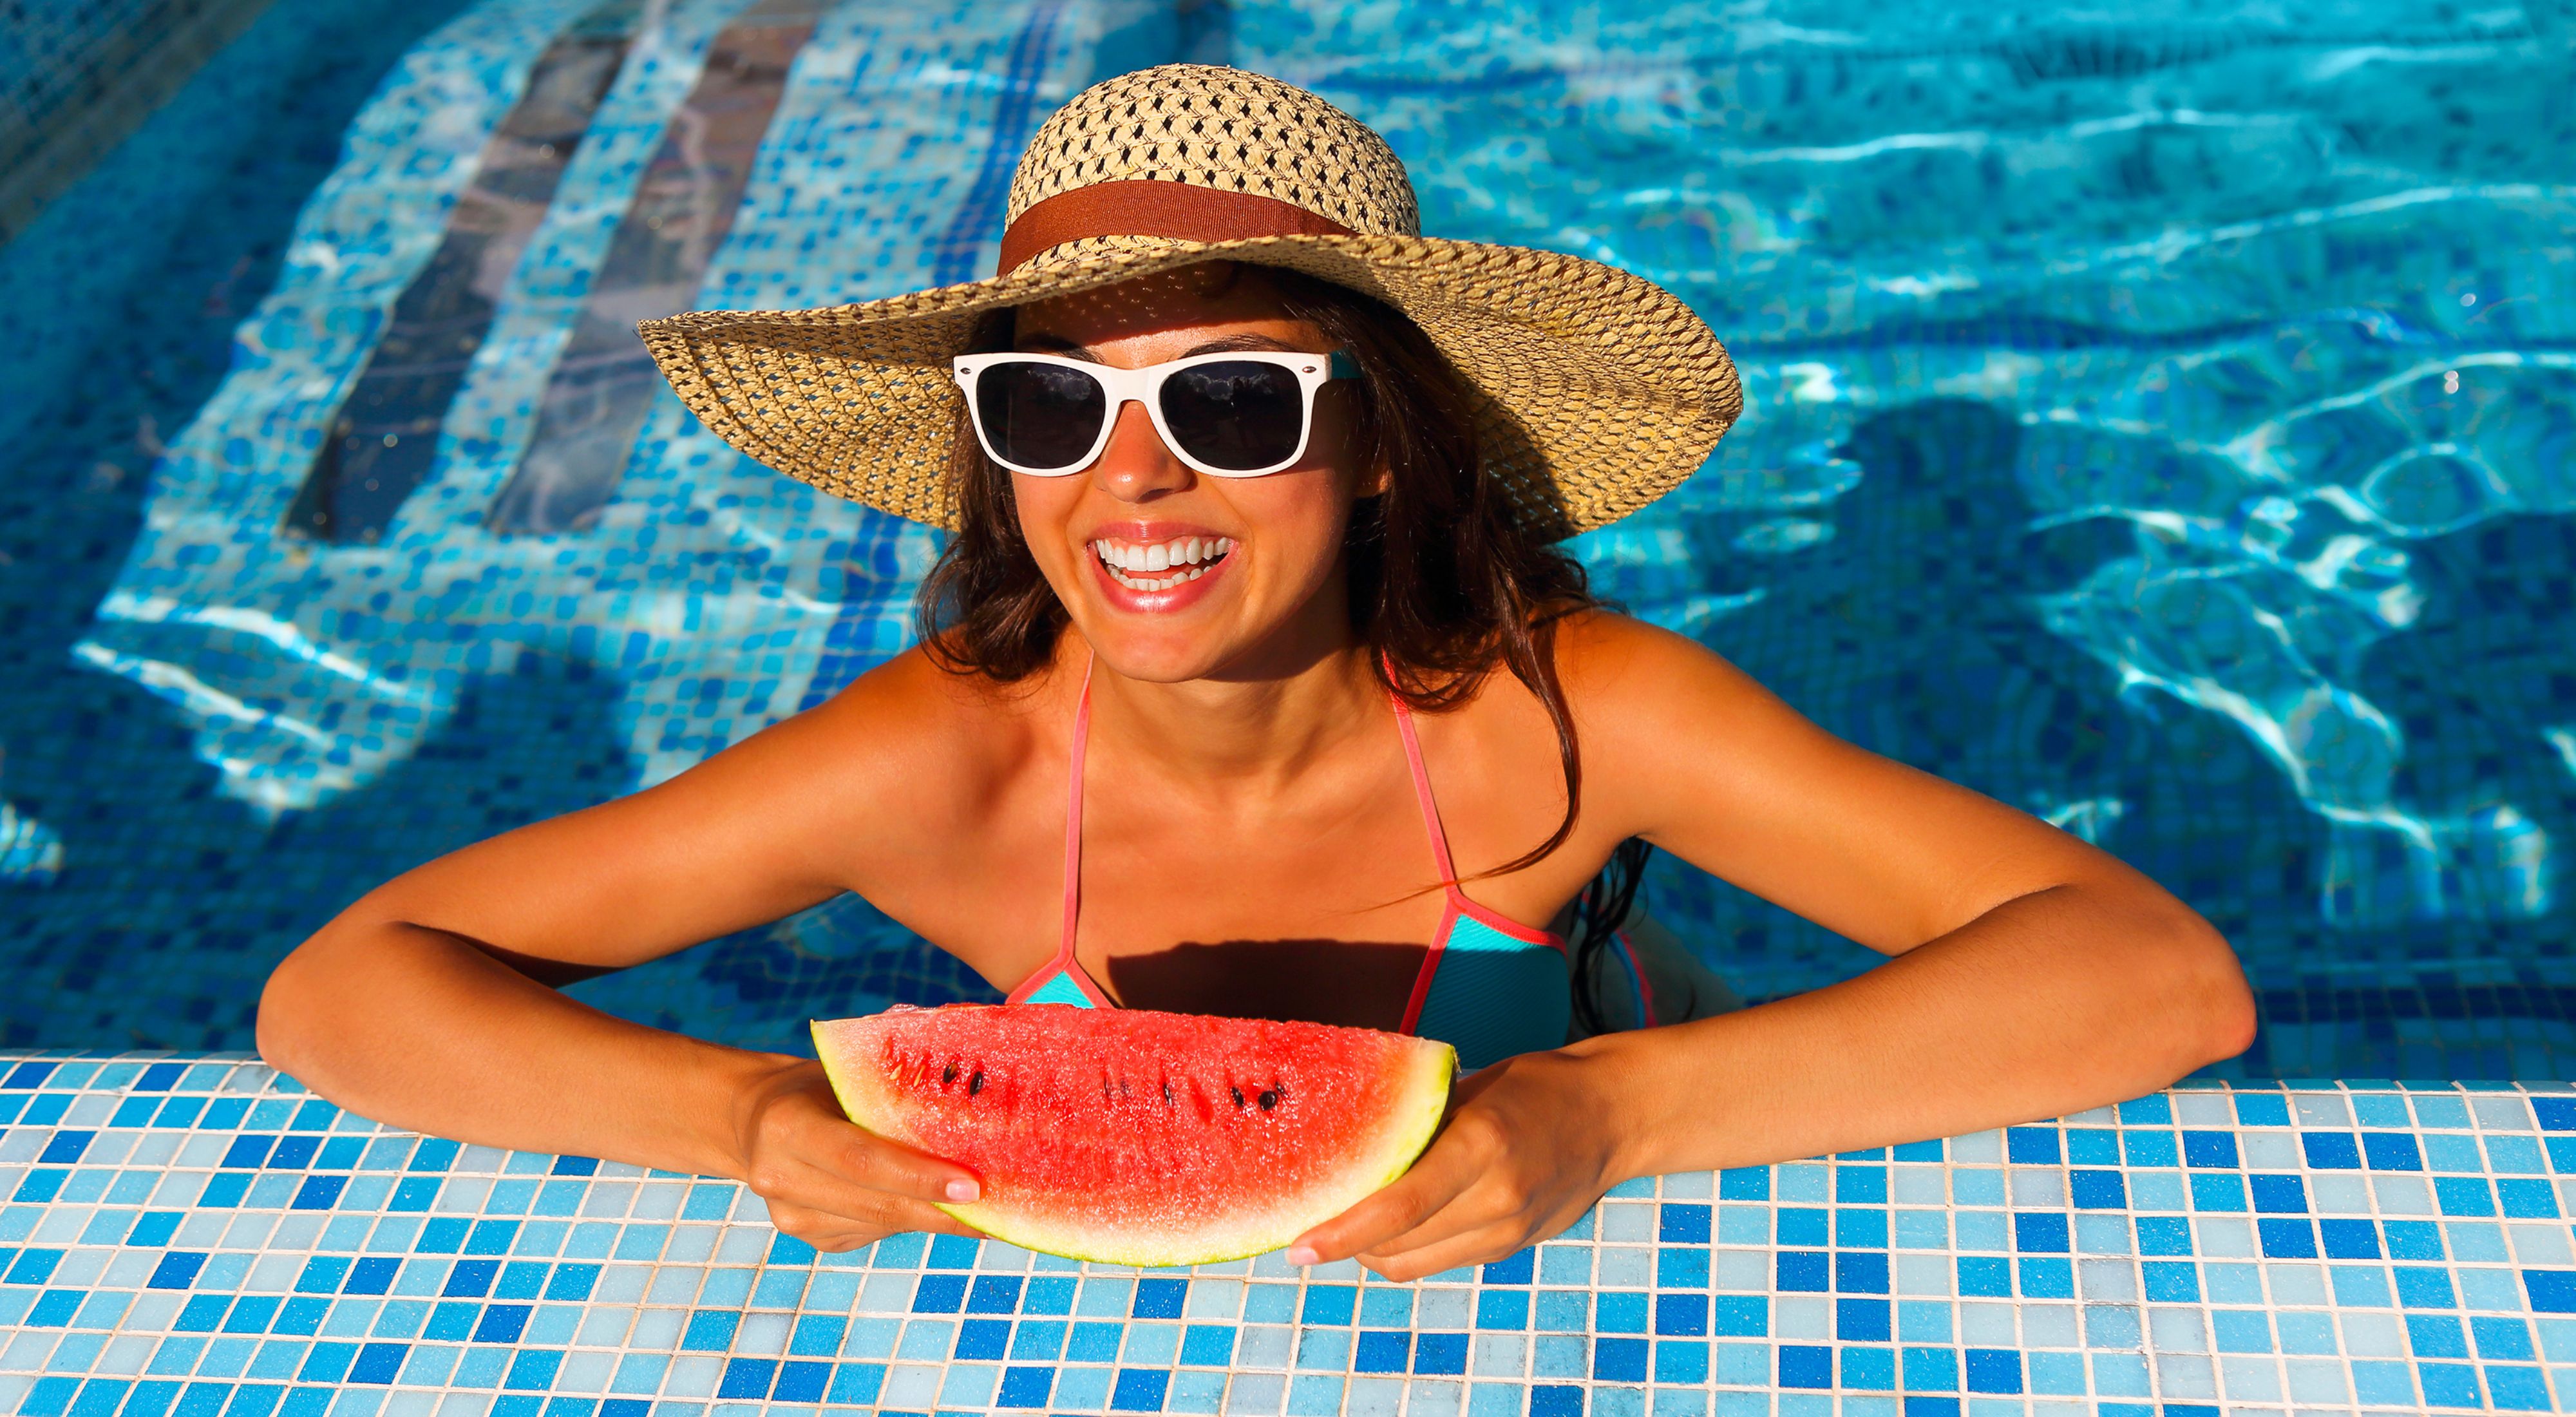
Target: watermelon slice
[1142,1138]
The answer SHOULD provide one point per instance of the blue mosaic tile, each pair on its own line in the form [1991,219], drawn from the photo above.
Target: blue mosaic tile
[657,1289]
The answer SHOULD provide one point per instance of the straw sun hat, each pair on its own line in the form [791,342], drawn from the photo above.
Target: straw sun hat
[1596,391]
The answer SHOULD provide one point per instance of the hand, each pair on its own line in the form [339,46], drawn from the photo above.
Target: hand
[1529,1145]
[829,1182]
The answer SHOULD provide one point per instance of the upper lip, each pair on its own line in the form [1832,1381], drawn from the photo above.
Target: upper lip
[1147,533]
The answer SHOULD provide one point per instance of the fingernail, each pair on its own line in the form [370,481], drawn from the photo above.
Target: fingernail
[1302,1255]
[963,1191]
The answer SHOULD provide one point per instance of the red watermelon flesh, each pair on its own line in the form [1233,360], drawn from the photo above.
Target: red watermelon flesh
[1135,1137]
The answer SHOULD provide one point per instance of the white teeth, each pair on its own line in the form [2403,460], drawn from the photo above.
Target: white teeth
[1196,554]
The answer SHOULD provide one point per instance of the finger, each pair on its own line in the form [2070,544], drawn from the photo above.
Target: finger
[814,1128]
[1475,1207]
[872,1161]
[1464,1088]
[803,1182]
[1490,1204]
[913,1215]
[884,1215]
[813,1160]
[839,1234]
[827,1163]
[1486,1224]
[1438,1178]
[1482,1210]
[829,1233]
[1482,1244]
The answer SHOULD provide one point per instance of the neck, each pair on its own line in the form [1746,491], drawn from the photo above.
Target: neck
[1254,733]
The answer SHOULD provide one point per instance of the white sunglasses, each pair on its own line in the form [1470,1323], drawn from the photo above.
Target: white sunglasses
[1227,415]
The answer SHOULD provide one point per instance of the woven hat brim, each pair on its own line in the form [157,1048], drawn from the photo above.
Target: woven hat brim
[1596,391]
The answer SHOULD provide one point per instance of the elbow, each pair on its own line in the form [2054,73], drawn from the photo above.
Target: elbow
[2236,1021]
[2212,1012]
[291,1027]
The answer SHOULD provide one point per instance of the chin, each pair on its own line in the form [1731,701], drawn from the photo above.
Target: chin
[1156,654]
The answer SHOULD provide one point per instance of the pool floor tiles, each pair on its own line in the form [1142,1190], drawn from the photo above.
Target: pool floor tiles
[201,1237]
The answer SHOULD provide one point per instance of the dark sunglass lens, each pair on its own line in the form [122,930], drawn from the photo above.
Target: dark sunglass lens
[1235,414]
[1039,415]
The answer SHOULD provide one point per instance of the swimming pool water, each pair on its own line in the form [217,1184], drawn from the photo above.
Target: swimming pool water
[2161,417]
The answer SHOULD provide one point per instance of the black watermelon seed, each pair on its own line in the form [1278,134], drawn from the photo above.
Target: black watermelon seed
[975,1084]
[1269,1098]
[948,1076]
[1238,1096]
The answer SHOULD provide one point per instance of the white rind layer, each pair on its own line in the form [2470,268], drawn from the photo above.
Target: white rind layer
[1377,1159]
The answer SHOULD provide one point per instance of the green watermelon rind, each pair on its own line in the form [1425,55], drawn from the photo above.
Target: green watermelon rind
[1401,1142]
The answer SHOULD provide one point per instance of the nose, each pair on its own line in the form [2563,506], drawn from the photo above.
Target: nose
[1135,466]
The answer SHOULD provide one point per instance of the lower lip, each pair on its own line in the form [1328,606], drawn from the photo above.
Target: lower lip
[1156,602]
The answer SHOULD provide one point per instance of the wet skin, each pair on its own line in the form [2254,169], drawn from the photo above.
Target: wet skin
[1249,816]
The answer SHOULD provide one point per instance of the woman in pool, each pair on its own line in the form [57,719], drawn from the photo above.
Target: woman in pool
[1252,683]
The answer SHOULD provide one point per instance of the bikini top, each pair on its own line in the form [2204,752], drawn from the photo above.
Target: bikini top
[1489,987]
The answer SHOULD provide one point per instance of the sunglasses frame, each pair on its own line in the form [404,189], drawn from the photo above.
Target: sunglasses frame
[1145,386]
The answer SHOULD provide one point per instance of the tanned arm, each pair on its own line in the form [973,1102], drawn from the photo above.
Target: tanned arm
[430,1003]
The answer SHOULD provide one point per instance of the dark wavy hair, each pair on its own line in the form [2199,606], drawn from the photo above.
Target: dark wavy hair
[1446,584]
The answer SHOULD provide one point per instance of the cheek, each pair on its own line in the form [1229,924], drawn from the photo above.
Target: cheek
[1335,444]
[1044,505]
[1301,515]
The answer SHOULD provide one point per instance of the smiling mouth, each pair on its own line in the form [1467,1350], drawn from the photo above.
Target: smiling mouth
[1161,565]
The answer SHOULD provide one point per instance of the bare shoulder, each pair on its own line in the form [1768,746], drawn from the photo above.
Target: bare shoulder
[924,744]
[1621,673]
[884,784]
[889,719]
[1673,733]
[895,774]
[1627,684]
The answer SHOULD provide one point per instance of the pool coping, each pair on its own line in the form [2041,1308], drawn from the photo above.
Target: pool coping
[195,1233]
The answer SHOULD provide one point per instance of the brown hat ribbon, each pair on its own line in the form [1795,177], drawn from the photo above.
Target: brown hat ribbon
[1144,207]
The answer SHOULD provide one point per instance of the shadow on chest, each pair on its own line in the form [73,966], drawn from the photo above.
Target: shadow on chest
[1356,984]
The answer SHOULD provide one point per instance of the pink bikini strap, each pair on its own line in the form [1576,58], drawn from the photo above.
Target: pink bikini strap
[1422,792]
[1073,827]
[1064,957]
[1458,900]
[1064,965]
[1637,972]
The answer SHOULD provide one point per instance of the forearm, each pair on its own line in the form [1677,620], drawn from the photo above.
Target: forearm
[2049,1004]
[420,1029]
